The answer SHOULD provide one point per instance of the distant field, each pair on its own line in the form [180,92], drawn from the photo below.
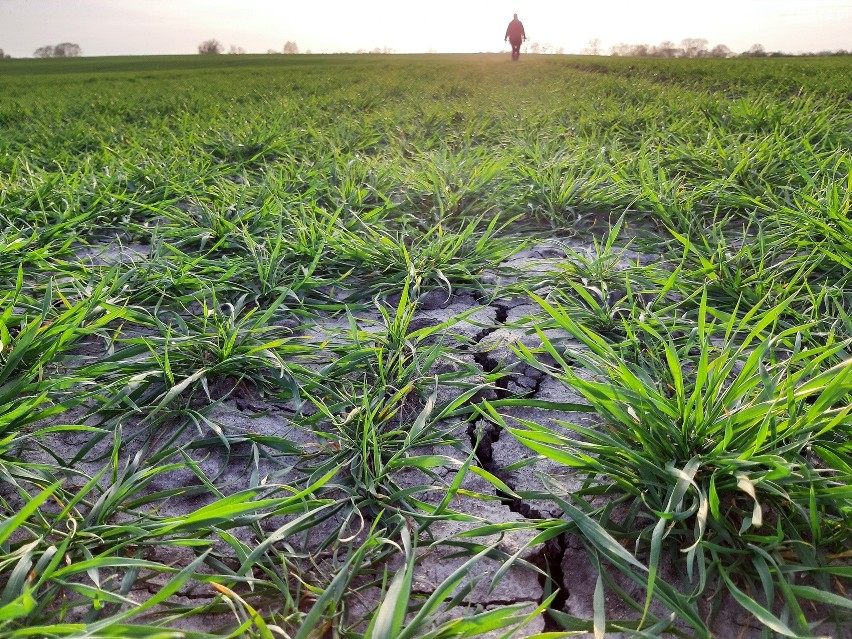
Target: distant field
[425,346]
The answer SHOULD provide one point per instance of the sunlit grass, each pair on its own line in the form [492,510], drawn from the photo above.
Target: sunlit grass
[263,234]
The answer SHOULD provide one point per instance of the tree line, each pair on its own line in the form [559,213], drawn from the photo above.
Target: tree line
[214,47]
[61,50]
[690,48]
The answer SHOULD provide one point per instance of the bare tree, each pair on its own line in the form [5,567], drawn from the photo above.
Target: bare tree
[694,47]
[67,50]
[594,47]
[235,50]
[210,47]
[720,51]
[43,52]
[291,47]
[4,56]
[535,47]
[667,49]
[620,49]
[756,51]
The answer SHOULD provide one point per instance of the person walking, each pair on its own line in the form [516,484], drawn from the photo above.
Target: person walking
[515,34]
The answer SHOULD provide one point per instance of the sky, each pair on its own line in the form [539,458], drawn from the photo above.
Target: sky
[151,27]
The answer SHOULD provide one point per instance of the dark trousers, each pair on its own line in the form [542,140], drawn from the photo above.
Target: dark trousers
[516,49]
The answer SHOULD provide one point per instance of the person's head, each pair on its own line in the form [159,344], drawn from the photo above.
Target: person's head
[515,16]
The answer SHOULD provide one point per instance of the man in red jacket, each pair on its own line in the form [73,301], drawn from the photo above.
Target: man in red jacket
[515,35]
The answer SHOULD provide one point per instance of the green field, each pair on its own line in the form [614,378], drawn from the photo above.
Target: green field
[425,347]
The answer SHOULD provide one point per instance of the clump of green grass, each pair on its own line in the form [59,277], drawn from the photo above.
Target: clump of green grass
[202,355]
[601,287]
[723,449]
[378,410]
[380,259]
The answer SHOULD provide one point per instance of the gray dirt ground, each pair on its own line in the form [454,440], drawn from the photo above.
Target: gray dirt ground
[484,340]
